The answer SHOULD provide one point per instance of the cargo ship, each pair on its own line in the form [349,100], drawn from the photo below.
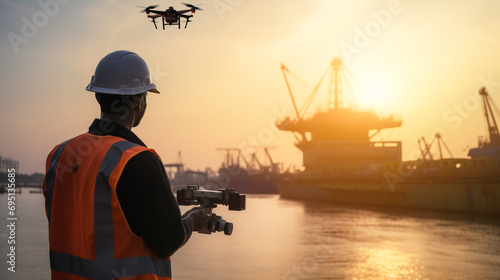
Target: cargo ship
[343,164]
[249,176]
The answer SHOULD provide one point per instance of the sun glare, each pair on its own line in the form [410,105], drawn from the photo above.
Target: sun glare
[373,95]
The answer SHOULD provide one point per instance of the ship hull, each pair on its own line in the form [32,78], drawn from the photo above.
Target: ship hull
[247,182]
[477,198]
[255,186]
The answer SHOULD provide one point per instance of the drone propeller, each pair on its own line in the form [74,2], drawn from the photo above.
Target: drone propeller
[147,8]
[192,6]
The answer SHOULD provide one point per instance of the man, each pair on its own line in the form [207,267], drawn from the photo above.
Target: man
[111,212]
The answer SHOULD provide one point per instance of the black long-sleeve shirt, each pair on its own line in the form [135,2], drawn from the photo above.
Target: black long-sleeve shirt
[145,196]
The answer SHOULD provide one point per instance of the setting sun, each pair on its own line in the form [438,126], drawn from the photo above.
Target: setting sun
[373,95]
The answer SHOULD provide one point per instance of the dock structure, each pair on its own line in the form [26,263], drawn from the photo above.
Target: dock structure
[343,164]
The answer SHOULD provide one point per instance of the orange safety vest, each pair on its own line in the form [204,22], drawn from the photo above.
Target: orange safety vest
[88,232]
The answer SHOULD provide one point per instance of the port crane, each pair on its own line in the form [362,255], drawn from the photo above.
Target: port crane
[494,136]
[426,150]
[335,87]
[233,156]
[335,96]
[338,122]
[178,165]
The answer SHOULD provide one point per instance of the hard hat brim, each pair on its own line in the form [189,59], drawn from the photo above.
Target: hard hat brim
[123,91]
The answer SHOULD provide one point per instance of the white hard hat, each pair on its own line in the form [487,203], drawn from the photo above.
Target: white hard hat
[122,72]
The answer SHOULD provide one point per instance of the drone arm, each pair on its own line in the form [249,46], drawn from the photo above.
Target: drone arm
[157,12]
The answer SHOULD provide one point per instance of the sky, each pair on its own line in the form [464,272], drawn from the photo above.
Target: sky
[220,79]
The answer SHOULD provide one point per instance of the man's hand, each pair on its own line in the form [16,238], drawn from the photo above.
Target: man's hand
[198,218]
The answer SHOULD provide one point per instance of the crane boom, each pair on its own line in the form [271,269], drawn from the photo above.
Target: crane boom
[283,68]
[334,94]
[494,135]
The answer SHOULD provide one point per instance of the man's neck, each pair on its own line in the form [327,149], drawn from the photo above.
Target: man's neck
[117,119]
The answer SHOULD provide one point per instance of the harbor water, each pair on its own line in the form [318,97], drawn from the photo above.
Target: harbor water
[283,239]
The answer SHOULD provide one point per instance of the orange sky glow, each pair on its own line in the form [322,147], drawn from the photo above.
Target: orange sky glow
[220,79]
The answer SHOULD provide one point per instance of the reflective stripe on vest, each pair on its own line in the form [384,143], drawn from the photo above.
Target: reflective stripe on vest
[50,177]
[105,266]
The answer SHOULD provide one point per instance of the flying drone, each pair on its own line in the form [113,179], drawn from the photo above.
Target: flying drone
[170,16]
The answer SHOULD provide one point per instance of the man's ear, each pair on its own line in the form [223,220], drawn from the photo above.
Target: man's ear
[97,98]
[138,101]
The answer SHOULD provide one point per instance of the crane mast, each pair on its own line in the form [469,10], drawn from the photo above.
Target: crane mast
[494,136]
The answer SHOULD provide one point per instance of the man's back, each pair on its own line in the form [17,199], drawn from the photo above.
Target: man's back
[89,235]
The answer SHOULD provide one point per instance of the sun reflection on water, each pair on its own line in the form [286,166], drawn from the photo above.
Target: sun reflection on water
[387,263]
